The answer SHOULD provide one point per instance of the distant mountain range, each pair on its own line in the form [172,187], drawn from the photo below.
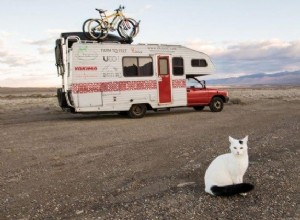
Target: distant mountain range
[282,78]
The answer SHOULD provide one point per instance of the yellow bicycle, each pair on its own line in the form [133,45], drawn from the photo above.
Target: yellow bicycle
[98,28]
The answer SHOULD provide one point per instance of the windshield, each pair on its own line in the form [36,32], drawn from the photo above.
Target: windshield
[194,83]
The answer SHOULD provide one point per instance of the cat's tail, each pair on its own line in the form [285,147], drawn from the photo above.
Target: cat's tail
[231,190]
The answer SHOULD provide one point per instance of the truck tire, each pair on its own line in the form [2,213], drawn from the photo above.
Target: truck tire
[198,108]
[216,104]
[137,111]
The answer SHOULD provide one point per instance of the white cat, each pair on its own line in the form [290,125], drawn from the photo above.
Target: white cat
[224,176]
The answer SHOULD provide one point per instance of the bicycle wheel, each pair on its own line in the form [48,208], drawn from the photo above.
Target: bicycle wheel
[137,26]
[128,28]
[97,29]
[85,28]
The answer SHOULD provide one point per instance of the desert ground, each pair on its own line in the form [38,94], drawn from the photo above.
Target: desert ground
[58,165]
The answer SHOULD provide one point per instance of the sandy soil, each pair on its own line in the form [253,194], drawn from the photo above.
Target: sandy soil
[57,165]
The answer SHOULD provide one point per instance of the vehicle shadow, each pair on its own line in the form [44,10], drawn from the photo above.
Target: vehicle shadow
[117,116]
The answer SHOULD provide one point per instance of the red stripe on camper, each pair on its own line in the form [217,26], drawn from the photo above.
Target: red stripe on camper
[114,86]
[122,86]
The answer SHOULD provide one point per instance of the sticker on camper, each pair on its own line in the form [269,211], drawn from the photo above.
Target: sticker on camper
[110,58]
[162,48]
[134,50]
[83,53]
[85,68]
[113,50]
[110,71]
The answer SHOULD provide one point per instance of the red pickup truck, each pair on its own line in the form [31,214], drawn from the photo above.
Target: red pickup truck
[199,96]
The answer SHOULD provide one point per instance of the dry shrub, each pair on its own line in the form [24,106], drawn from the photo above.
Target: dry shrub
[236,101]
[29,96]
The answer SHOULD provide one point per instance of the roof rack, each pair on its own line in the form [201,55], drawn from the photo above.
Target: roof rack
[109,38]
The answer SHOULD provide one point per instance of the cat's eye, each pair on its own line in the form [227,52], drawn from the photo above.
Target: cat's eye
[241,148]
[234,147]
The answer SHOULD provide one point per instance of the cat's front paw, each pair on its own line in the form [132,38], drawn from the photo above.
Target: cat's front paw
[243,194]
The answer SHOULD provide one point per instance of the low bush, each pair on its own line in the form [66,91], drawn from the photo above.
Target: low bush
[236,101]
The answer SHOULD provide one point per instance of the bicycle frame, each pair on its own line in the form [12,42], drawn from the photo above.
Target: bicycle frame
[117,17]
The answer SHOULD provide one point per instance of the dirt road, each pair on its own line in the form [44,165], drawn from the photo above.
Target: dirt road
[56,165]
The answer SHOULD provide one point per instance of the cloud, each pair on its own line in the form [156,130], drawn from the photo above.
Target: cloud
[45,46]
[147,7]
[261,49]
[46,50]
[142,10]
[208,47]
[3,38]
[38,42]
[251,56]
[5,34]
[55,33]
[29,77]
[22,66]
[3,53]
[52,35]
[14,59]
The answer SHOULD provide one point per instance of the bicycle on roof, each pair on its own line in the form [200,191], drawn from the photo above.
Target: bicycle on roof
[98,28]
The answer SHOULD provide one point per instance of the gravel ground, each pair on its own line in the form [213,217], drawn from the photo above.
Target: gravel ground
[56,165]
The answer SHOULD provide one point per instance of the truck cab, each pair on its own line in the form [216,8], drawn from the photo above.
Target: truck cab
[199,96]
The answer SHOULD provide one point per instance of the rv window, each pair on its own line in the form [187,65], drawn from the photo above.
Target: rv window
[137,66]
[199,63]
[130,66]
[177,66]
[145,66]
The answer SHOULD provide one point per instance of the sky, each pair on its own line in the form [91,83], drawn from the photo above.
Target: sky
[241,36]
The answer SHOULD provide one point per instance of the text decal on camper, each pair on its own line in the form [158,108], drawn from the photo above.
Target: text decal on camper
[85,68]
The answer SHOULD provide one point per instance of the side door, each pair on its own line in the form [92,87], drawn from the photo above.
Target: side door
[164,79]
[196,93]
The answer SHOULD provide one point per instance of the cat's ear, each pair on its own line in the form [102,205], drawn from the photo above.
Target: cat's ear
[245,139]
[231,139]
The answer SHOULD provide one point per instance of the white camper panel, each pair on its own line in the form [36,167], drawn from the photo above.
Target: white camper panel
[95,75]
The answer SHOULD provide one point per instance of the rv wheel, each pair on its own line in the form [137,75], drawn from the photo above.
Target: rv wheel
[137,111]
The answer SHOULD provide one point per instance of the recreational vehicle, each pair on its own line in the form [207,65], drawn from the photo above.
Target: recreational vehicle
[117,76]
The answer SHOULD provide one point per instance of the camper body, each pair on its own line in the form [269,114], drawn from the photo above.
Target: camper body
[127,78]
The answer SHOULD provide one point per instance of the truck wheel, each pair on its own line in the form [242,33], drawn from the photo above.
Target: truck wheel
[137,111]
[199,108]
[216,104]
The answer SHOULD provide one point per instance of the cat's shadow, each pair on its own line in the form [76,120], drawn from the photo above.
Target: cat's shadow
[196,177]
